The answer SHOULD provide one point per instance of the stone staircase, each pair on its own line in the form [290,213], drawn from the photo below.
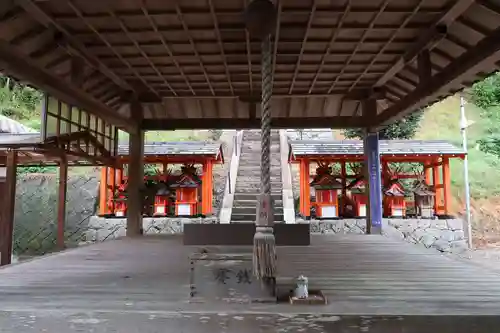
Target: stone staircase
[248,180]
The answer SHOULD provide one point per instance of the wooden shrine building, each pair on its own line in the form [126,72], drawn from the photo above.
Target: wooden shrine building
[163,156]
[135,66]
[427,162]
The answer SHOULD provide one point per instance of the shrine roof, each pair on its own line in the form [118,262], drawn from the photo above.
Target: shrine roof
[354,148]
[181,148]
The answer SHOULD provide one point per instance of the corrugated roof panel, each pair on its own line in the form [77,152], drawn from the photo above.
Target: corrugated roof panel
[176,148]
[387,147]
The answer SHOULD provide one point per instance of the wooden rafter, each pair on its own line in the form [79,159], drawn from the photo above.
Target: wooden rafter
[276,37]
[358,45]
[427,39]
[219,41]
[141,51]
[17,65]
[336,32]
[105,41]
[485,49]
[386,44]
[302,46]
[166,45]
[193,46]
[33,9]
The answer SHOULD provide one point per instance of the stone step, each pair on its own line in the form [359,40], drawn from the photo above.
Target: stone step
[253,209]
[242,190]
[253,196]
[253,203]
[252,217]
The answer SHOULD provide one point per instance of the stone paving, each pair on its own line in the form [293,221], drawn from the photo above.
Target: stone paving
[62,321]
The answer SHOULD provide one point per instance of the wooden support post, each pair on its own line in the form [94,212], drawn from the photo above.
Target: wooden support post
[372,162]
[446,185]
[61,203]
[7,209]
[103,190]
[307,189]
[119,176]
[112,189]
[211,186]
[436,182]
[135,176]
[343,175]
[301,188]
[206,189]
[427,173]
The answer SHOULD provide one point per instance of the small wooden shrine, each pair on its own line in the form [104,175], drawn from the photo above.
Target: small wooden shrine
[187,195]
[167,192]
[347,158]
[394,199]
[424,199]
[359,199]
[326,188]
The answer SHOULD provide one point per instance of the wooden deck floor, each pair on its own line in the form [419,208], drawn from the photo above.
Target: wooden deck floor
[361,275]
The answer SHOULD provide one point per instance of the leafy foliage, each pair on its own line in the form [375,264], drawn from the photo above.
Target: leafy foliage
[405,128]
[486,94]
[19,102]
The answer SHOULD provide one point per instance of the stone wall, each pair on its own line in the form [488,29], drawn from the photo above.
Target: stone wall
[35,221]
[443,235]
[101,229]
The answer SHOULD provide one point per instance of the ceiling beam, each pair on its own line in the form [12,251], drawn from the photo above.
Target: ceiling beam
[486,50]
[46,20]
[17,65]
[246,123]
[429,38]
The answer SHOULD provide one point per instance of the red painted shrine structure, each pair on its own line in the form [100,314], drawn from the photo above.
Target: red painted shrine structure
[185,192]
[339,180]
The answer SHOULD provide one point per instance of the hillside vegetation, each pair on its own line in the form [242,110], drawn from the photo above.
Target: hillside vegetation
[442,121]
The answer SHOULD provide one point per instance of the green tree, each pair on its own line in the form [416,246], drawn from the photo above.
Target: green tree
[486,94]
[405,128]
[18,101]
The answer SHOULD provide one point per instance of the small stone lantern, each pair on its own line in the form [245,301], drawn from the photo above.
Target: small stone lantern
[302,290]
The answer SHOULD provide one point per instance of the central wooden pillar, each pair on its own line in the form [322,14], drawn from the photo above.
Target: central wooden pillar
[7,206]
[374,182]
[135,176]
[61,203]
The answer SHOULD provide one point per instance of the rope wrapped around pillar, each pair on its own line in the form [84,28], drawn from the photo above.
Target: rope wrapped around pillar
[264,249]
[260,20]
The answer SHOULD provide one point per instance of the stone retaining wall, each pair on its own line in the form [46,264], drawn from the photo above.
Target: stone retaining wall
[101,229]
[442,235]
